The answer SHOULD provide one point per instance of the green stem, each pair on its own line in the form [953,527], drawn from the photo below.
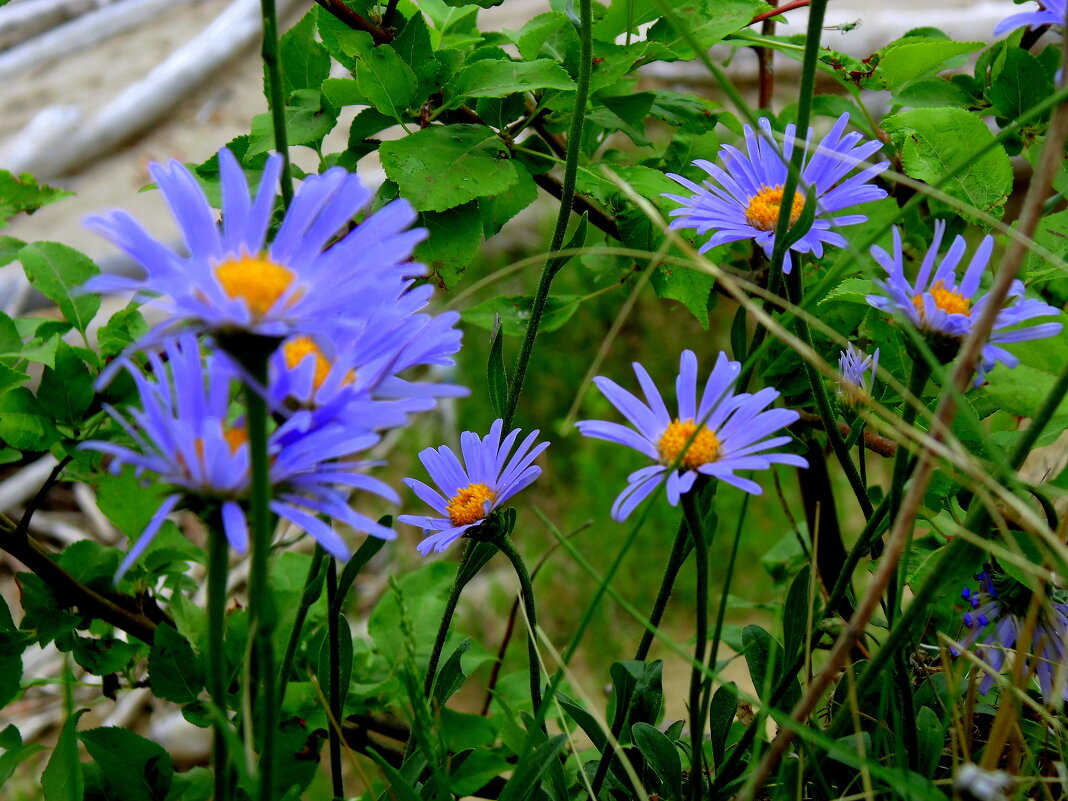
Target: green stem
[507,547]
[313,588]
[446,619]
[823,402]
[276,100]
[697,728]
[567,200]
[333,635]
[679,551]
[218,557]
[261,605]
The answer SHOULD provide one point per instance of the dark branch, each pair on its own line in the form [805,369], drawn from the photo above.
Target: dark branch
[356,21]
[873,442]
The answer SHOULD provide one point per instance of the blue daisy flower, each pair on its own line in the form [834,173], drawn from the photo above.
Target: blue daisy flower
[716,437]
[944,310]
[469,494]
[1051,12]
[743,198]
[995,620]
[232,280]
[186,437]
[853,366]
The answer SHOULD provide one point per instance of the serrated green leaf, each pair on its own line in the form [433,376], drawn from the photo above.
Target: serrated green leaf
[122,329]
[127,502]
[851,290]
[445,166]
[514,311]
[9,249]
[66,390]
[22,193]
[383,77]
[24,424]
[304,61]
[455,235]
[1019,84]
[340,92]
[709,22]
[413,45]
[906,61]
[494,78]
[131,767]
[175,673]
[689,287]
[935,140]
[58,272]
[62,778]
[308,120]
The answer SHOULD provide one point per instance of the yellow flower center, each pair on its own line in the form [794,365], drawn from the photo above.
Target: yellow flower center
[702,447]
[946,299]
[297,349]
[256,279]
[466,506]
[763,210]
[235,438]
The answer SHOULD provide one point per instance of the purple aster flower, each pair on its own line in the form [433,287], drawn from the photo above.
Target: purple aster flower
[233,280]
[1050,12]
[743,198]
[853,367]
[185,435]
[995,619]
[722,434]
[944,310]
[468,495]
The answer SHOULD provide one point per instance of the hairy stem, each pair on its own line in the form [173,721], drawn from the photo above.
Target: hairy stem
[273,74]
[508,548]
[218,555]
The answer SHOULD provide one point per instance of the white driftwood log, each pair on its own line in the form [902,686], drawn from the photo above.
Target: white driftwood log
[79,34]
[65,148]
[21,20]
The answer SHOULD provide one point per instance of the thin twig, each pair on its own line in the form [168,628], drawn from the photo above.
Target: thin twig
[780,10]
[357,22]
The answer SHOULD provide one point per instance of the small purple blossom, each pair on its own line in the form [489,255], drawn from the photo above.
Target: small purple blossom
[994,621]
[1051,12]
[185,435]
[946,310]
[721,434]
[853,366]
[743,198]
[468,494]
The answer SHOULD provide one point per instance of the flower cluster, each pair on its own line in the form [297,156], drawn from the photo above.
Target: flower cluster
[336,302]
[743,199]
[995,620]
[944,309]
[716,436]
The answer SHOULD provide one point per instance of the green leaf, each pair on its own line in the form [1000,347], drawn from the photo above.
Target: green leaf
[423,593]
[1021,83]
[106,655]
[122,329]
[689,113]
[58,272]
[194,784]
[413,45]
[479,3]
[24,423]
[62,778]
[23,194]
[527,775]
[131,767]
[305,63]
[514,312]
[661,755]
[66,390]
[15,753]
[907,60]
[493,78]
[308,120]
[498,209]
[383,77]
[934,140]
[709,21]
[344,670]
[767,663]
[455,235]
[851,290]
[358,562]
[795,618]
[496,372]
[127,501]
[720,717]
[9,249]
[400,788]
[930,739]
[445,166]
[451,676]
[175,673]
[10,666]
[472,773]
[691,288]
